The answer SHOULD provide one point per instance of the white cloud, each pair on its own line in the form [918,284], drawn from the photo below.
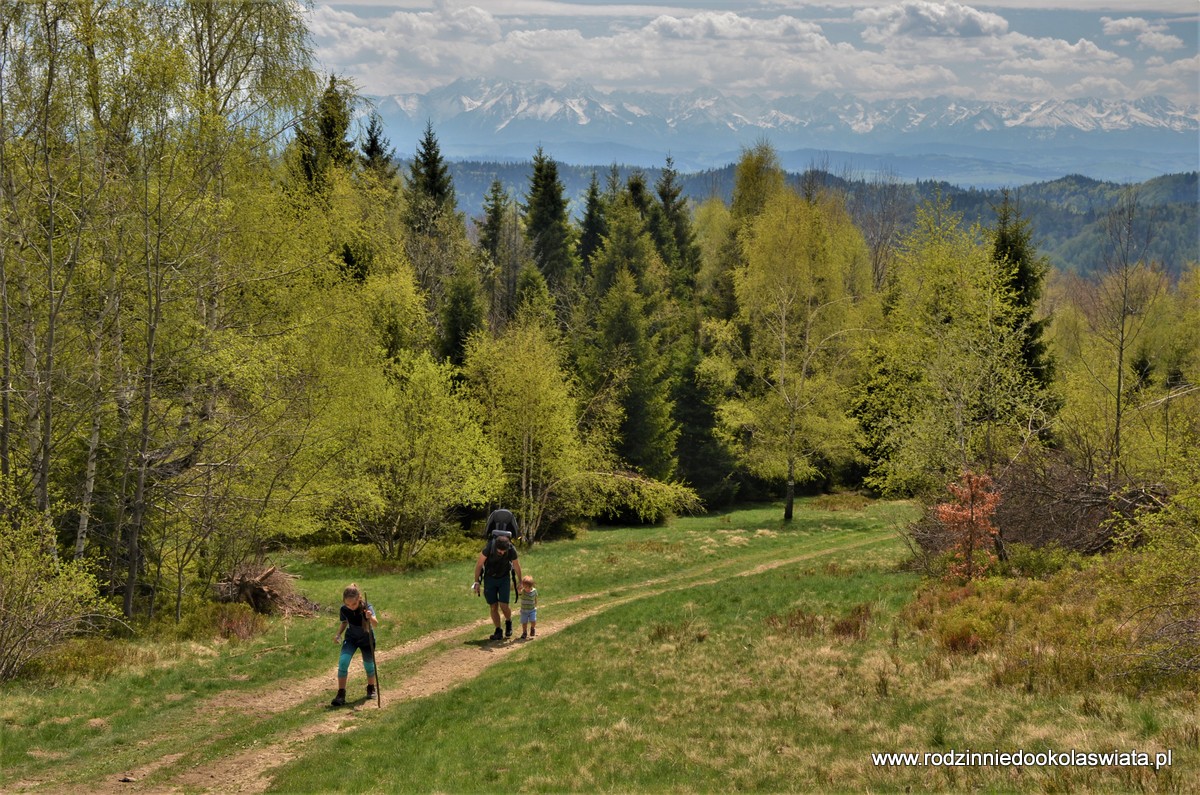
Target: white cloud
[906,48]
[729,25]
[1005,86]
[1056,56]
[920,18]
[1150,35]
[1099,87]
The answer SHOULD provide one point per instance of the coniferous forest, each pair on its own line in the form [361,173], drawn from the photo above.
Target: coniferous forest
[233,322]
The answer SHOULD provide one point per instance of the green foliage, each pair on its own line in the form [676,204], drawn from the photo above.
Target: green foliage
[530,415]
[449,548]
[430,188]
[418,452]
[1160,584]
[758,177]
[1038,563]
[625,355]
[593,227]
[1127,350]
[948,389]
[462,314]
[1012,247]
[491,231]
[647,432]
[88,659]
[547,227]
[321,140]
[377,155]
[355,557]
[786,363]
[704,463]
[45,600]
[677,220]
[228,621]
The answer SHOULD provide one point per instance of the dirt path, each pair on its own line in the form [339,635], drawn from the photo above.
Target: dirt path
[250,771]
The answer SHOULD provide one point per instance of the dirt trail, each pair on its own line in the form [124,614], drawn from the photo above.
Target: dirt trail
[250,770]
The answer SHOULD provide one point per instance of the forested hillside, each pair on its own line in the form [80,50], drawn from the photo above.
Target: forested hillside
[229,326]
[1065,216]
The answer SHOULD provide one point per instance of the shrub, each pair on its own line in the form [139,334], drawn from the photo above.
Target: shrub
[1038,562]
[842,501]
[448,549]
[960,633]
[44,600]
[219,620]
[855,624]
[88,658]
[364,557]
[798,622]
[967,519]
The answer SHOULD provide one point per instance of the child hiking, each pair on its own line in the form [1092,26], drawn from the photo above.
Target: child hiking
[358,622]
[529,601]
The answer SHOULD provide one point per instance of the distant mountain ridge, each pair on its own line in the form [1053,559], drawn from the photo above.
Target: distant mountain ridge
[962,141]
[1066,215]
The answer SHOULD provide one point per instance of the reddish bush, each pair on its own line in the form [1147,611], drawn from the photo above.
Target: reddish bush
[967,520]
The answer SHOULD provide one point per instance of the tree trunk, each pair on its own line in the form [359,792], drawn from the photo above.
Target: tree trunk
[791,490]
[89,484]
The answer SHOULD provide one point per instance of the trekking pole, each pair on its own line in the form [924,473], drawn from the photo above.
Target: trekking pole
[374,659]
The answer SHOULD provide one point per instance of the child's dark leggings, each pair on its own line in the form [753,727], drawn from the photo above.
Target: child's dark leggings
[368,657]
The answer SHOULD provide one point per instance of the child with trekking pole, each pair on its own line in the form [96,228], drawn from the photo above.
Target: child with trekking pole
[357,623]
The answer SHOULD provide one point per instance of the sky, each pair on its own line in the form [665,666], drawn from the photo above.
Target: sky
[1011,50]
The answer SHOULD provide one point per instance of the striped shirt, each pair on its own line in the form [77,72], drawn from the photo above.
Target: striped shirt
[529,599]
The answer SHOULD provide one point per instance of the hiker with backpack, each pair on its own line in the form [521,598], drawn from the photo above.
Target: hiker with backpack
[497,562]
[358,623]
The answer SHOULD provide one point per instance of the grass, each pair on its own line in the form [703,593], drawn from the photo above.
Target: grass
[713,679]
[704,689]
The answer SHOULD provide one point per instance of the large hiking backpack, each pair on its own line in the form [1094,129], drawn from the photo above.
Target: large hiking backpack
[501,522]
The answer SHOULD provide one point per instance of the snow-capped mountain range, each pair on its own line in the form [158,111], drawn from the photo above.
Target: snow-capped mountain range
[576,123]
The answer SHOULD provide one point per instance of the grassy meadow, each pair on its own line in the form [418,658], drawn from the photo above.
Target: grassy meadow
[717,653]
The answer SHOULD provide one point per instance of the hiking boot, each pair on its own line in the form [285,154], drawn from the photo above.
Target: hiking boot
[508,628]
[524,636]
[497,635]
[339,700]
[532,632]
[370,691]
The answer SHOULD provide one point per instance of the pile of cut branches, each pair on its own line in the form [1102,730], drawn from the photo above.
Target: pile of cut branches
[267,590]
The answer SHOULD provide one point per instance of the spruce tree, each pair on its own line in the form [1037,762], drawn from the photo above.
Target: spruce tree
[593,227]
[495,205]
[678,223]
[462,314]
[1012,247]
[626,246]
[534,302]
[321,137]
[704,463]
[631,352]
[547,227]
[377,155]
[430,188]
